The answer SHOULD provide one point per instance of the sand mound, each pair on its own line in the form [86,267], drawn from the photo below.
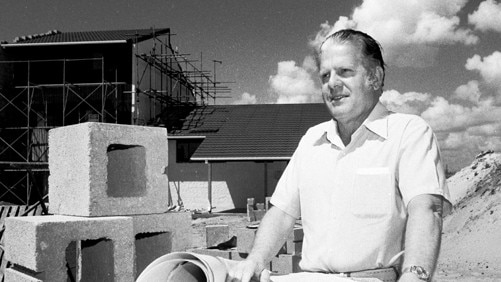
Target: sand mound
[471,242]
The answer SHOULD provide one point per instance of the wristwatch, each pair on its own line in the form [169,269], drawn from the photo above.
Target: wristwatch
[419,271]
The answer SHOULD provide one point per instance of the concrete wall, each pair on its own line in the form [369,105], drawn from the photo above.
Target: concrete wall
[232,182]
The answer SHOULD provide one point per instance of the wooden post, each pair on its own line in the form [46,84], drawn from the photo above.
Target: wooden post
[209,185]
[265,179]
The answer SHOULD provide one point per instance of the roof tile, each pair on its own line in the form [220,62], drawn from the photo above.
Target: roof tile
[263,132]
[89,36]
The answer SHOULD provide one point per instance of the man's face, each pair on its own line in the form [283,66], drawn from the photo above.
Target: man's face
[346,88]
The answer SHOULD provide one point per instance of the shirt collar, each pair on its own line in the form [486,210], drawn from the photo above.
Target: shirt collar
[376,122]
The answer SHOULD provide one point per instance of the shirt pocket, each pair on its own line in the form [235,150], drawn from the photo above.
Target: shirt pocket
[372,192]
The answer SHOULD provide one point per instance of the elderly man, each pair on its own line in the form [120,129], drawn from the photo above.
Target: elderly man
[367,184]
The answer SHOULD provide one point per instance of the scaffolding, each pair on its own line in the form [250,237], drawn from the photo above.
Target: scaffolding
[37,95]
[178,74]
[30,109]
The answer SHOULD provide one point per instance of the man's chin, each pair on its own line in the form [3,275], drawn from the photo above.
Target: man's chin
[335,109]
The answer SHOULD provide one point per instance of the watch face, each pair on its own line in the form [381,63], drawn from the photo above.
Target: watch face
[420,272]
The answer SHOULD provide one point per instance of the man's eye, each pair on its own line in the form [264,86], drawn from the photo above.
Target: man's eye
[346,71]
[325,76]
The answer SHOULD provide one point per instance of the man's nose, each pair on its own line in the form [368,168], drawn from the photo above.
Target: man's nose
[334,82]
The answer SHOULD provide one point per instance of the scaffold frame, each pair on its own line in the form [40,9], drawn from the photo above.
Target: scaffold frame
[162,79]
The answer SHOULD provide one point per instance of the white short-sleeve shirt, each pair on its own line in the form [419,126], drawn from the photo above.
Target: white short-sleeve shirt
[352,200]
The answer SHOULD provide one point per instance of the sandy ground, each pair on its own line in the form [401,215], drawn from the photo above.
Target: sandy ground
[471,241]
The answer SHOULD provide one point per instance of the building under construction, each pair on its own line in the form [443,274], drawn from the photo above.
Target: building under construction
[62,78]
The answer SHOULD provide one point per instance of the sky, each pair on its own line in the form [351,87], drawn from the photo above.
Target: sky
[443,56]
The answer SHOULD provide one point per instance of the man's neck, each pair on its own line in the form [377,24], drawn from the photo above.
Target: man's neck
[346,130]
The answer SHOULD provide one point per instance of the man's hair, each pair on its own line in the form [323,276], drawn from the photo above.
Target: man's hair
[370,48]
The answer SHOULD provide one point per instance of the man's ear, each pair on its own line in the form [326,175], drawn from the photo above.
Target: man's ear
[376,78]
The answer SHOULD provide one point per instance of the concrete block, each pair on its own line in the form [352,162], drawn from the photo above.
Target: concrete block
[285,264]
[259,214]
[213,252]
[97,249]
[215,234]
[12,274]
[293,248]
[100,169]
[296,235]
[250,209]
[160,234]
[267,203]
[245,239]
[250,202]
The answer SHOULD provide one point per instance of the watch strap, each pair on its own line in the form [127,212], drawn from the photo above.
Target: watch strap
[419,271]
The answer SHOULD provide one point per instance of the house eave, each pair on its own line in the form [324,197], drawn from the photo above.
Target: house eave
[228,159]
[64,43]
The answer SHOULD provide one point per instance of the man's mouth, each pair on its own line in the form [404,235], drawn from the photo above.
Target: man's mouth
[336,97]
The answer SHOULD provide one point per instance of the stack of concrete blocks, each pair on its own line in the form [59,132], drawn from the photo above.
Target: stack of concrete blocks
[286,260]
[256,211]
[108,192]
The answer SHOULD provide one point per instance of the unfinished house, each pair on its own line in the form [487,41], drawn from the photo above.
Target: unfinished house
[62,78]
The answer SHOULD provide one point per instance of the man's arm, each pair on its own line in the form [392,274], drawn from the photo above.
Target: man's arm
[423,234]
[273,230]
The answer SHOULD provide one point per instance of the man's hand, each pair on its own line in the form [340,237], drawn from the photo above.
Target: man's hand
[248,270]
[274,228]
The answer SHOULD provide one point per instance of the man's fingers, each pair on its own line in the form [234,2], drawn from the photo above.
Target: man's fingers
[235,274]
[265,276]
[243,272]
[247,275]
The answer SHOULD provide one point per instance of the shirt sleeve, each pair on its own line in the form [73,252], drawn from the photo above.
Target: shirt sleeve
[420,168]
[286,195]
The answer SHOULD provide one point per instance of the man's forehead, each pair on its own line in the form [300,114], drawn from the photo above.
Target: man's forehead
[340,50]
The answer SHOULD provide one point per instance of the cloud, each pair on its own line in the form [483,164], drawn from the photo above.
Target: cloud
[460,141]
[487,17]
[448,117]
[310,65]
[475,139]
[460,128]
[489,67]
[469,122]
[294,84]
[246,98]
[326,29]
[410,31]
[409,103]
[468,92]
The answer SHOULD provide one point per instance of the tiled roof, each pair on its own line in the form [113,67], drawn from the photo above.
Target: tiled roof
[196,121]
[90,36]
[250,132]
